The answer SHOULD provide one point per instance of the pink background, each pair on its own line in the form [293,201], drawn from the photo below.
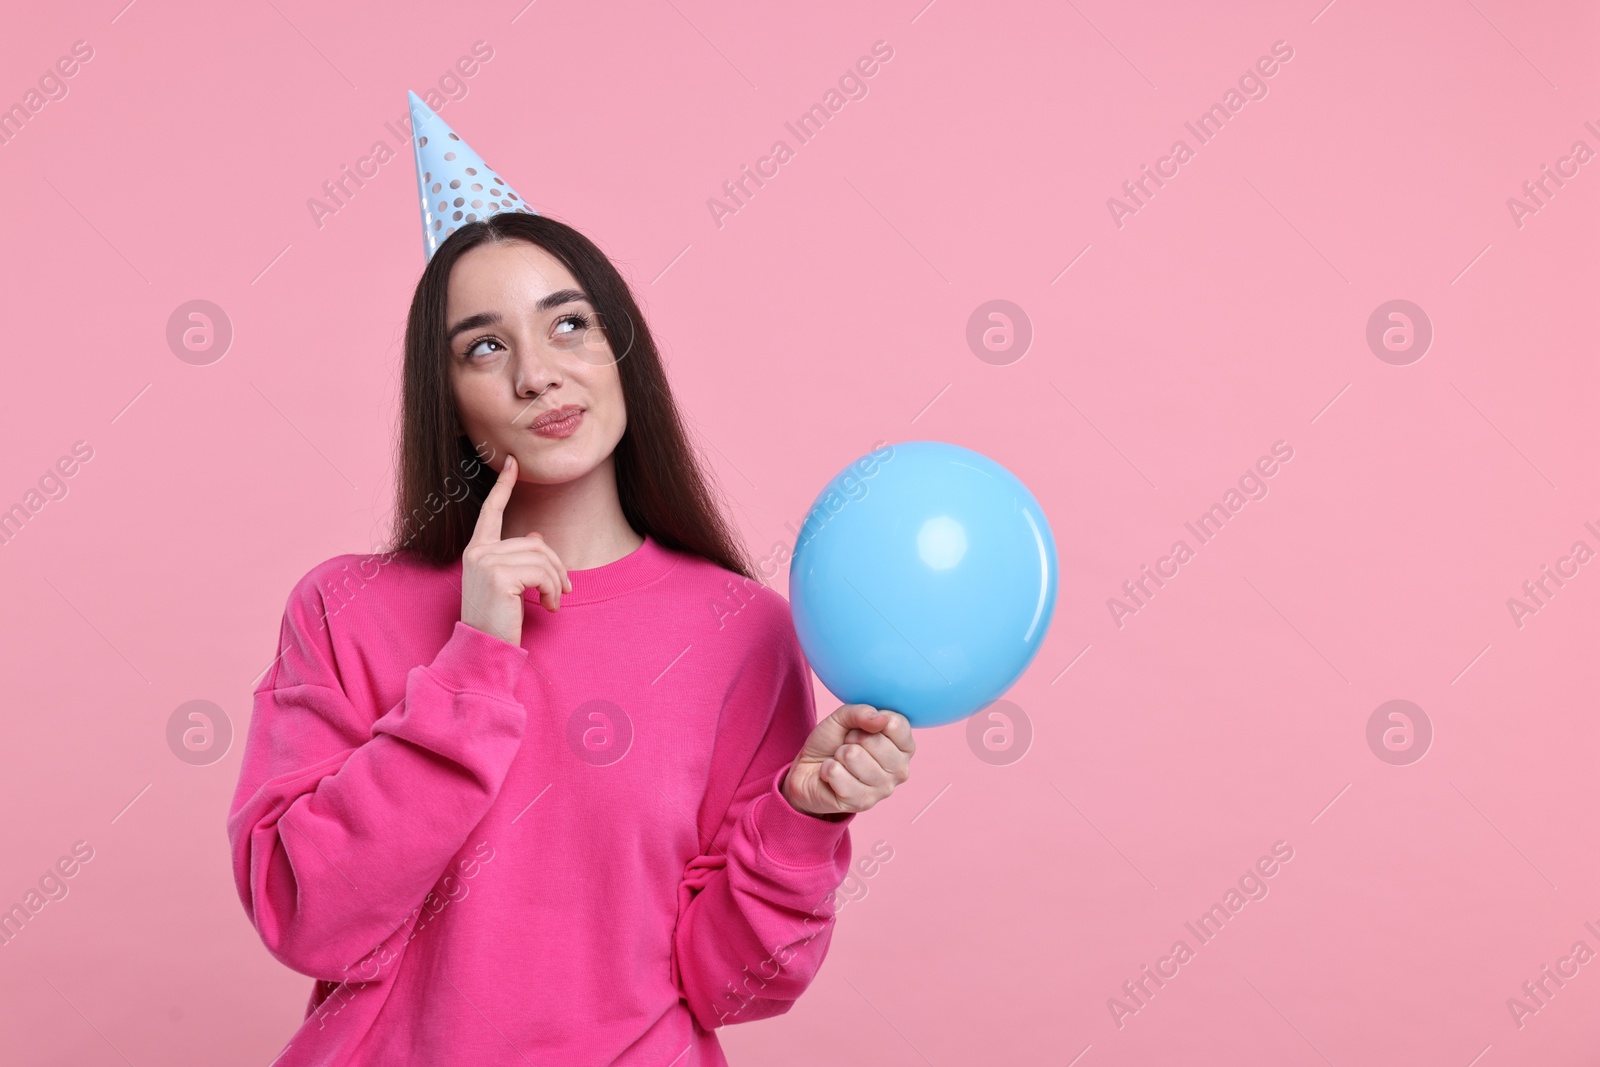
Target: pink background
[1229,313]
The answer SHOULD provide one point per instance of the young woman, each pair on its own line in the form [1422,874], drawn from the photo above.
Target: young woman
[542,782]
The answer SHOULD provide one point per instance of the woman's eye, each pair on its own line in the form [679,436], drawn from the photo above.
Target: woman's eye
[578,323]
[472,349]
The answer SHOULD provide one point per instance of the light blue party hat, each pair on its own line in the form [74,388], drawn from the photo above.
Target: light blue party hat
[454,184]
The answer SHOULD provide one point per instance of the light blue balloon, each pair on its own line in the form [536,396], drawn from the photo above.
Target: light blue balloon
[923,581]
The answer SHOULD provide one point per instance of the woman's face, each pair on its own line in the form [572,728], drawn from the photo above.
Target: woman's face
[525,343]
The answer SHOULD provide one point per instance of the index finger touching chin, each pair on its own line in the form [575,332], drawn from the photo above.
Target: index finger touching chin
[492,511]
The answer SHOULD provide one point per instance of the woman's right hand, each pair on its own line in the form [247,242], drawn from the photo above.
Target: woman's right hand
[495,572]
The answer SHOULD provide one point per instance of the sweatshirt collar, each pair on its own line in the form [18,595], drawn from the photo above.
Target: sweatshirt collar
[638,568]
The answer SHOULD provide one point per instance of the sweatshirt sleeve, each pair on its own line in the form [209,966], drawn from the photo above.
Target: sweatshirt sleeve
[340,824]
[756,908]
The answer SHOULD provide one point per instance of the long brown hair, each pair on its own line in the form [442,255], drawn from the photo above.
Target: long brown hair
[442,481]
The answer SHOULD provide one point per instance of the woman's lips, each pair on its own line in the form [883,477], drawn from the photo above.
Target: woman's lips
[564,427]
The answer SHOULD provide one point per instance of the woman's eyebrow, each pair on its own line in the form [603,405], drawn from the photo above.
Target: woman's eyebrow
[492,318]
[559,297]
[472,322]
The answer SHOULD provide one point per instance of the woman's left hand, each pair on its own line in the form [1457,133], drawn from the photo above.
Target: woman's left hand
[853,759]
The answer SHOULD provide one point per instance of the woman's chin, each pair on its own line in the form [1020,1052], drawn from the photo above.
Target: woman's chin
[549,466]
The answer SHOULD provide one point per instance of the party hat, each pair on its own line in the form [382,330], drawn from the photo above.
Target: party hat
[454,184]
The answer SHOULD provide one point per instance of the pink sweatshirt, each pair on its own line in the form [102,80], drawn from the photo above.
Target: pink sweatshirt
[570,853]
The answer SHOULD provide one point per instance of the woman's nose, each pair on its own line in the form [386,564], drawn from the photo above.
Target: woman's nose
[533,372]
